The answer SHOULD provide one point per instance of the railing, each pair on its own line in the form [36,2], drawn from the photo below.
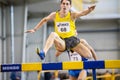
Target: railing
[106,64]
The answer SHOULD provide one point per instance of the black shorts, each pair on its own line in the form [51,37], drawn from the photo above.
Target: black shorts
[71,42]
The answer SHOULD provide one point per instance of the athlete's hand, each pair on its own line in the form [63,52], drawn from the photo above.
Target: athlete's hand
[30,31]
[92,7]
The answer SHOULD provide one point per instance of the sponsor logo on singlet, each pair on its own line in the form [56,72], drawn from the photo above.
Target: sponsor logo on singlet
[63,26]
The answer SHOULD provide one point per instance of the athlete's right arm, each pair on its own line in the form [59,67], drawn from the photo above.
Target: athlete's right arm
[42,22]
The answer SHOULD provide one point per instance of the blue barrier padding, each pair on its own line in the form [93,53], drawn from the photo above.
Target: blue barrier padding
[52,66]
[94,65]
[10,67]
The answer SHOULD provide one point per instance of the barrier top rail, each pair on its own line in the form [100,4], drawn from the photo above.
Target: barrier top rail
[38,66]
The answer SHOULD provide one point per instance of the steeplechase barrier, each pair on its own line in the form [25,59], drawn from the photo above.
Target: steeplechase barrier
[39,66]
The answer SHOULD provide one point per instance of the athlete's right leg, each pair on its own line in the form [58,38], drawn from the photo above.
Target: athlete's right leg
[58,53]
[59,45]
[52,39]
[82,50]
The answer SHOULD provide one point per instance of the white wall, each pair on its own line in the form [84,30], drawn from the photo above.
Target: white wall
[119,37]
[19,31]
[105,43]
[119,27]
[0,42]
[18,35]
[105,9]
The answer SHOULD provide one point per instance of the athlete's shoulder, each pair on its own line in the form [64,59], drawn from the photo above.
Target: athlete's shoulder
[73,15]
[52,15]
[73,12]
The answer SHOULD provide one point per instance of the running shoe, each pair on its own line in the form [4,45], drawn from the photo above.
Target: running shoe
[41,54]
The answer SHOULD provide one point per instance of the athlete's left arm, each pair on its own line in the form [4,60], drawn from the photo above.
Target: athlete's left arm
[84,12]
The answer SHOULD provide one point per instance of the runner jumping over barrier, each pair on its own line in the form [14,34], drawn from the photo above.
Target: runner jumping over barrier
[65,30]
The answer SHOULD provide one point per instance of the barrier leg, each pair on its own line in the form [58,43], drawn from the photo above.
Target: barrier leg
[94,74]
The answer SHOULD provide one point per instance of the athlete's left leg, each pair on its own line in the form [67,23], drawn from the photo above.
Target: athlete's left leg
[82,75]
[84,42]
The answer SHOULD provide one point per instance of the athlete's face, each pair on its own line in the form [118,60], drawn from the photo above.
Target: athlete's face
[65,6]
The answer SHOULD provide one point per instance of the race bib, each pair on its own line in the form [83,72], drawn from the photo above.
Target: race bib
[75,57]
[63,26]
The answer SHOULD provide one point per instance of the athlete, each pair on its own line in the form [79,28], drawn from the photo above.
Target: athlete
[64,33]
[80,74]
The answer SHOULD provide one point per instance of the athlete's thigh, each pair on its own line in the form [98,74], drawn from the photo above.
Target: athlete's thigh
[82,50]
[84,42]
[58,53]
[82,75]
[59,44]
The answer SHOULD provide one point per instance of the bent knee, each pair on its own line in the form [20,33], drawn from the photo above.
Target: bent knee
[54,34]
[60,47]
[83,41]
[89,56]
